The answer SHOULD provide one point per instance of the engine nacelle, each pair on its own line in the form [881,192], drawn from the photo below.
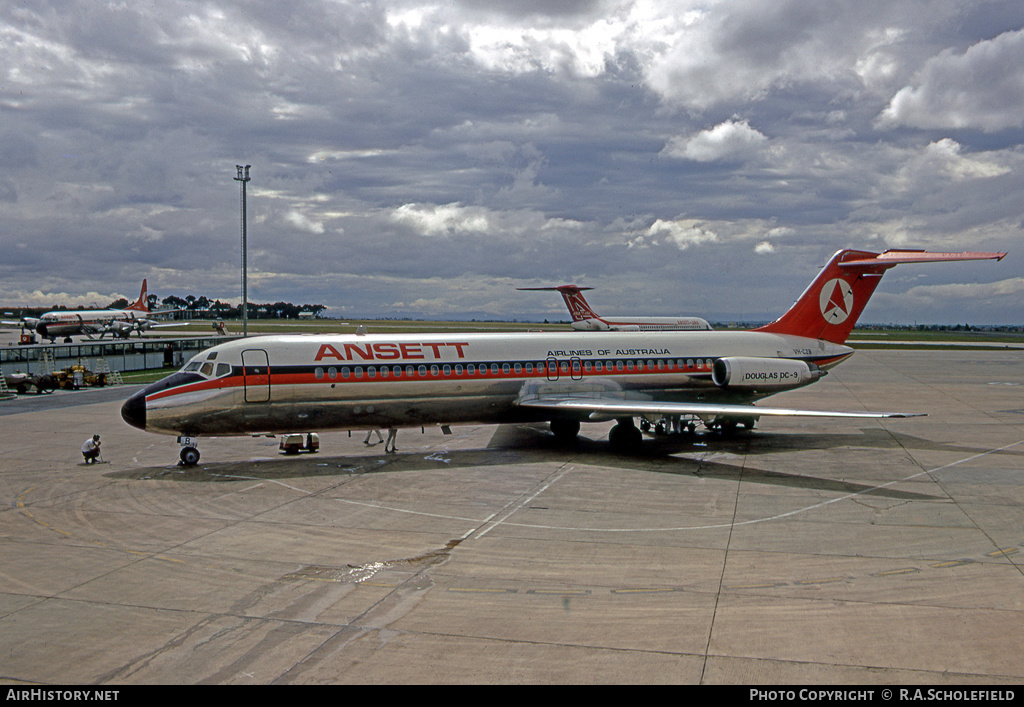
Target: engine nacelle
[750,373]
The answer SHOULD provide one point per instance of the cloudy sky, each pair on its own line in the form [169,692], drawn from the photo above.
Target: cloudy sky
[418,158]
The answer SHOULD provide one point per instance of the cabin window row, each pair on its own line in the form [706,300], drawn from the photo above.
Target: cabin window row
[529,368]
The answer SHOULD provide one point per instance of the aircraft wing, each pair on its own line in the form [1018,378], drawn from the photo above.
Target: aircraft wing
[24,322]
[598,406]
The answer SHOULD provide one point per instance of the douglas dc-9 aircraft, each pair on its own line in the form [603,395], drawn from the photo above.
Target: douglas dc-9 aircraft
[585,319]
[301,383]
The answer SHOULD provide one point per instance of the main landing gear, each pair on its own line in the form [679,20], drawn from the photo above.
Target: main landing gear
[565,430]
[625,438]
[676,425]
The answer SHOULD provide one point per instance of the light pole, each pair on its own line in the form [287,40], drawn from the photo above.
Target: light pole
[243,177]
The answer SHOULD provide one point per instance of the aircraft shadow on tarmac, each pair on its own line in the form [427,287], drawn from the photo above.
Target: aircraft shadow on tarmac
[524,444]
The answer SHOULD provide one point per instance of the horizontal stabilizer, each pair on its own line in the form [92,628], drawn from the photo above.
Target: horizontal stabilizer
[830,306]
[559,288]
[896,257]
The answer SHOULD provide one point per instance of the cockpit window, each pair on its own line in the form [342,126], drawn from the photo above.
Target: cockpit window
[207,368]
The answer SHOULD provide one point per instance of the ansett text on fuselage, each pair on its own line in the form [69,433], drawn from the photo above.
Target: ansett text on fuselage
[390,351]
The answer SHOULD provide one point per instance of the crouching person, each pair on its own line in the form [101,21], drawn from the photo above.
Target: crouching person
[91,449]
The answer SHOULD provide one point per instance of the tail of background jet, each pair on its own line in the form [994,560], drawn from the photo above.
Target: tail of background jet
[141,304]
[579,309]
[828,309]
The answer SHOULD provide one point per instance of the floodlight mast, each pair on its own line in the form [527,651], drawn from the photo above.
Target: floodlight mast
[243,178]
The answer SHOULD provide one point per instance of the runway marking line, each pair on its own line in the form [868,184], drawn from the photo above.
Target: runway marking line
[19,503]
[170,559]
[953,563]
[890,573]
[1005,552]
[826,580]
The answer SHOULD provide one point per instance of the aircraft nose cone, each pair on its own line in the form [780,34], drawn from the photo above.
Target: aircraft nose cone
[134,410]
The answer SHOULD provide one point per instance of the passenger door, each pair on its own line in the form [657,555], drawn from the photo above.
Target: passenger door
[256,375]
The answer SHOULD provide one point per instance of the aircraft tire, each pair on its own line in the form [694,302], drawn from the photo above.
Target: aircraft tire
[625,439]
[189,456]
[565,430]
[728,428]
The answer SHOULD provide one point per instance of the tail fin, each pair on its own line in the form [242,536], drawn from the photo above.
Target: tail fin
[141,304]
[829,307]
[579,309]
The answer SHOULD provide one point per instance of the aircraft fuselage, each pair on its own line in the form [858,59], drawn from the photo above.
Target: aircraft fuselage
[319,382]
[70,323]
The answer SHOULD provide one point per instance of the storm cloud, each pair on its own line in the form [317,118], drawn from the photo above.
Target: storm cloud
[414,158]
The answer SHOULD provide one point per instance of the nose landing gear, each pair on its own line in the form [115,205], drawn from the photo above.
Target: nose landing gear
[189,455]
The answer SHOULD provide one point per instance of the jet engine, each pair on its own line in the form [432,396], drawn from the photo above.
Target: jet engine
[751,373]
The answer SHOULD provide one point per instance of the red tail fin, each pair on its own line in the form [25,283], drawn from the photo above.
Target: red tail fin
[829,307]
[141,304]
[574,300]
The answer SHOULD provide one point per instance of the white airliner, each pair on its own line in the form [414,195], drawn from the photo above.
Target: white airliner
[585,319]
[303,383]
[117,322]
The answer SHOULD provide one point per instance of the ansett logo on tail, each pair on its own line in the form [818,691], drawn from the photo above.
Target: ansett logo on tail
[836,301]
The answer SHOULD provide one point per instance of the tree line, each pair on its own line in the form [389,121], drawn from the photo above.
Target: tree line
[222,310]
[201,306]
